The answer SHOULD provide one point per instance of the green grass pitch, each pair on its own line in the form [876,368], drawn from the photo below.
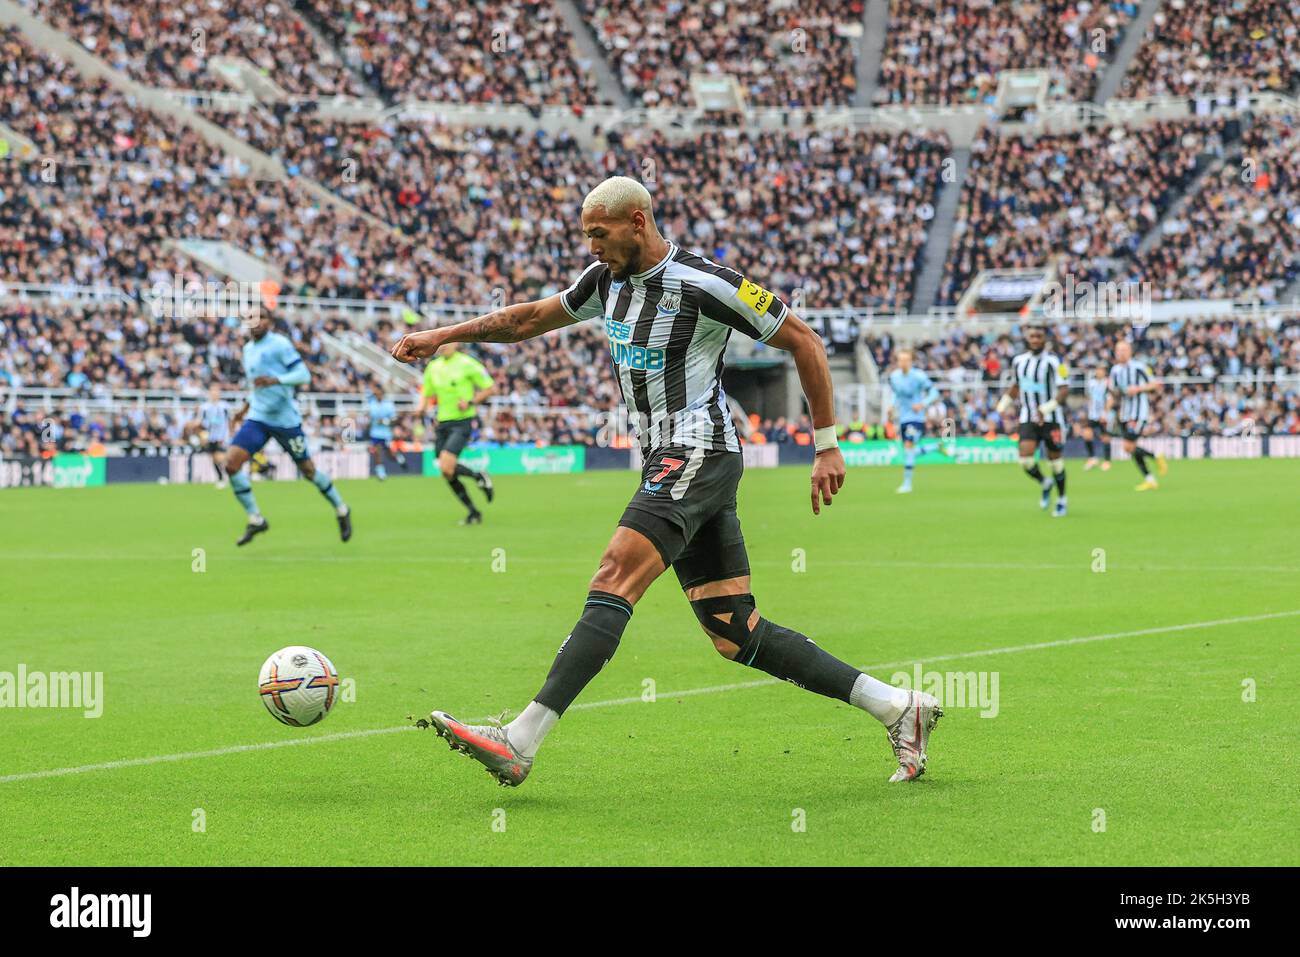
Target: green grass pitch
[1136,749]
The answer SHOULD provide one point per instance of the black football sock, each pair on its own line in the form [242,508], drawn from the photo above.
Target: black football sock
[793,657]
[1105,450]
[1091,445]
[467,471]
[590,645]
[1035,473]
[461,493]
[1060,484]
[1140,457]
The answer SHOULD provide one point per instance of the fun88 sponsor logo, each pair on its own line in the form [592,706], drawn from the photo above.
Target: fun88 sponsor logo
[626,354]
[638,357]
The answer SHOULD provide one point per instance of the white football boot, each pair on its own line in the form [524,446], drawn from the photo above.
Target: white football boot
[910,734]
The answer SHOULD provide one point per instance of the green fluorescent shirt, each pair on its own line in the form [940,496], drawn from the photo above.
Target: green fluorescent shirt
[452,380]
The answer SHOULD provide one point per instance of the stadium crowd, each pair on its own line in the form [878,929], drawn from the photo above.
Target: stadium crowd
[799,53]
[1204,47]
[971,369]
[479,213]
[443,51]
[1239,235]
[173,43]
[951,53]
[103,360]
[500,203]
[1090,196]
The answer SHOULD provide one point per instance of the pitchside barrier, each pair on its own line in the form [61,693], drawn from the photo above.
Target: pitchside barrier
[74,470]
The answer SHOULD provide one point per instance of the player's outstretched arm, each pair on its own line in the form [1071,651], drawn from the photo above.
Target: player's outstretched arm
[796,338]
[1008,399]
[523,320]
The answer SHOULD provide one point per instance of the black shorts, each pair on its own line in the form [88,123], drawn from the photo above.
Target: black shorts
[686,505]
[1131,431]
[1047,433]
[453,436]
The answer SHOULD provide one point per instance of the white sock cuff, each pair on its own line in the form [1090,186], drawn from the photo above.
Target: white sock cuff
[1058,466]
[527,731]
[883,702]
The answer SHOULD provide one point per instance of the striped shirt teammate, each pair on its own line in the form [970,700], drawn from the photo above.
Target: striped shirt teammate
[1131,384]
[668,314]
[1097,391]
[1042,386]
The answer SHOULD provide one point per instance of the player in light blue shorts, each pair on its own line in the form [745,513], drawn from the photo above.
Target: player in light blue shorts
[273,369]
[381,412]
[913,394]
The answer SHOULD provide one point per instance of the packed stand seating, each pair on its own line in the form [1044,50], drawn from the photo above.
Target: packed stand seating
[952,55]
[67,116]
[108,225]
[971,368]
[170,43]
[113,182]
[557,390]
[1207,47]
[1239,236]
[100,350]
[441,50]
[842,215]
[478,210]
[1090,196]
[783,53]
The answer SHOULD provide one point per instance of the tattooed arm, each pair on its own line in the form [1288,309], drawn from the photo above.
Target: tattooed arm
[524,320]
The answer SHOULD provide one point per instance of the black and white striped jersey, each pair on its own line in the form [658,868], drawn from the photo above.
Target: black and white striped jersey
[668,329]
[1039,375]
[1132,408]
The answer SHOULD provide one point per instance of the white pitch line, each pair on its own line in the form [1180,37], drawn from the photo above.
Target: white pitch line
[531,561]
[186,756]
[689,692]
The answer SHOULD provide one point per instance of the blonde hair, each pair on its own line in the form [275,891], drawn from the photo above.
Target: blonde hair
[620,195]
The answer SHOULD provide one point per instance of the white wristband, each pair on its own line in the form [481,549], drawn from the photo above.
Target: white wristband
[824,439]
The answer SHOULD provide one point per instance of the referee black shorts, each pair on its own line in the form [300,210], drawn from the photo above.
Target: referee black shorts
[453,436]
[686,505]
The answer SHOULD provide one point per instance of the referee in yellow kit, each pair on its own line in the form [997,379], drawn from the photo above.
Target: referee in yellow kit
[457,383]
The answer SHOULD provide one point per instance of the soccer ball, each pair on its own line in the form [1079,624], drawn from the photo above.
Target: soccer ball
[298,685]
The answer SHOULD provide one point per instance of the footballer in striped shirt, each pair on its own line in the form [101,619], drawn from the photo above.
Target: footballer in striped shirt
[1131,386]
[1041,387]
[668,313]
